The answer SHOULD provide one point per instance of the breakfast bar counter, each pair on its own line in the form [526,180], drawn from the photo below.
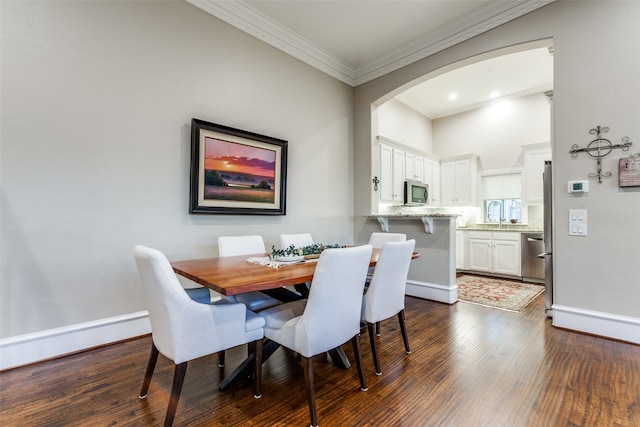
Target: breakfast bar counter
[433,275]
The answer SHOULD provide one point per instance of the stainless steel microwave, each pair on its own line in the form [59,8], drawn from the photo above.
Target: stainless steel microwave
[416,193]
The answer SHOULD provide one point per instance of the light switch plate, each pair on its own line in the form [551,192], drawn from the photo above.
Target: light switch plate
[577,222]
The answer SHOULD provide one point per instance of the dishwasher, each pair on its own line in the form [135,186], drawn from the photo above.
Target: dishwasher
[532,245]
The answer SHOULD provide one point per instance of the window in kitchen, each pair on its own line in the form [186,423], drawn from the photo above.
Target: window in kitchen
[502,196]
[505,209]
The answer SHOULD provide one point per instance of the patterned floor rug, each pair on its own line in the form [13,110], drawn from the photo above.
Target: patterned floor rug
[493,292]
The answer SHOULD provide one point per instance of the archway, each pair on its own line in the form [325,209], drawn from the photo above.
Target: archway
[494,127]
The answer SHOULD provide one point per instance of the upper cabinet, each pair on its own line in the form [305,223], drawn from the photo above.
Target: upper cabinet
[398,164]
[436,192]
[392,174]
[459,180]
[414,167]
[534,158]
[432,179]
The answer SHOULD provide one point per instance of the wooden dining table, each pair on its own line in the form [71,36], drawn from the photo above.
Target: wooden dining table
[235,275]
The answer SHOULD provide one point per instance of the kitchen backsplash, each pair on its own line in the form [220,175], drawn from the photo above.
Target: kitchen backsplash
[536,216]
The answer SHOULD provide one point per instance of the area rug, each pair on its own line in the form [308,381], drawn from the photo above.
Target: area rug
[493,292]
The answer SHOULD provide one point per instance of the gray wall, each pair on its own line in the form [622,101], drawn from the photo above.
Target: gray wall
[97,99]
[596,65]
[401,123]
[496,133]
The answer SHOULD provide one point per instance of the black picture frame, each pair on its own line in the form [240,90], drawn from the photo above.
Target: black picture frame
[236,172]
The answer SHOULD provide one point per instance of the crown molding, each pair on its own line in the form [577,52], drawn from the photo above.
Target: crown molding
[446,36]
[251,21]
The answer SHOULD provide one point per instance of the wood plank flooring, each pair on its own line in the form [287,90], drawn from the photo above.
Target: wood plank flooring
[470,366]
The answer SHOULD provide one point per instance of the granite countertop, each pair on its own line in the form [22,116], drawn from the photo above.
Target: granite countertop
[415,215]
[505,227]
[520,228]
[427,219]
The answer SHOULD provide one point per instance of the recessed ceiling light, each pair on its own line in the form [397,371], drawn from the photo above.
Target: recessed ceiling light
[453,96]
[495,94]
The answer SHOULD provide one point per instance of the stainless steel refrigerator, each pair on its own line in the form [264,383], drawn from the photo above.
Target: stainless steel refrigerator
[547,255]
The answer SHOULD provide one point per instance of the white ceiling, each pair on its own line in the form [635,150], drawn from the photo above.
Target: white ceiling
[505,76]
[358,40]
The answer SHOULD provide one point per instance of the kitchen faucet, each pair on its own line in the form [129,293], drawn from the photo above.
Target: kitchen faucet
[500,219]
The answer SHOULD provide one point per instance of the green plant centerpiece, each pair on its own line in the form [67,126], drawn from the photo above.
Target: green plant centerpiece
[290,251]
[311,251]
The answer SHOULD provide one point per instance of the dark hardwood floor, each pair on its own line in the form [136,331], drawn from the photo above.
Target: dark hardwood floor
[470,366]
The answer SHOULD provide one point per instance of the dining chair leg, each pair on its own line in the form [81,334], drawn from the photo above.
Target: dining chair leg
[257,369]
[378,328]
[355,341]
[307,363]
[151,365]
[403,330]
[176,388]
[221,357]
[374,348]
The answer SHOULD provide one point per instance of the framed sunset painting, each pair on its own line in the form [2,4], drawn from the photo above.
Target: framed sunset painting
[236,172]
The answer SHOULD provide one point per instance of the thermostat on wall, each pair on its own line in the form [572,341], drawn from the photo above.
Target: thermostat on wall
[578,186]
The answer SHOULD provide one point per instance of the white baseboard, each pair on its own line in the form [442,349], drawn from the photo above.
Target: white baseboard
[432,291]
[597,323]
[30,348]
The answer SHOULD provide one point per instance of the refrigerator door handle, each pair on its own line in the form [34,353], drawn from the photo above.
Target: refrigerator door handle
[544,254]
[534,239]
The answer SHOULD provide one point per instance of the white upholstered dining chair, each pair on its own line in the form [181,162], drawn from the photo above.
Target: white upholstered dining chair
[246,245]
[201,295]
[183,329]
[298,241]
[377,240]
[386,292]
[328,318]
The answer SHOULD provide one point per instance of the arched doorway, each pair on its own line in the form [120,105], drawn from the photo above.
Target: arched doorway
[503,107]
[500,123]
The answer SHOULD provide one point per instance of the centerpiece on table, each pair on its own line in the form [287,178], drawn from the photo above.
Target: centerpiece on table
[293,254]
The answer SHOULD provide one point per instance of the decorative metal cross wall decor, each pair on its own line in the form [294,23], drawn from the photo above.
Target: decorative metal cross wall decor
[599,148]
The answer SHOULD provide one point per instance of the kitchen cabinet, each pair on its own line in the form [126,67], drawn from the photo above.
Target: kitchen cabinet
[392,175]
[399,163]
[479,249]
[534,158]
[460,246]
[436,192]
[419,168]
[496,252]
[432,178]
[414,167]
[459,180]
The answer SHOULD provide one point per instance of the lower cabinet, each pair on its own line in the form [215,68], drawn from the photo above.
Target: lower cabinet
[495,252]
[460,250]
